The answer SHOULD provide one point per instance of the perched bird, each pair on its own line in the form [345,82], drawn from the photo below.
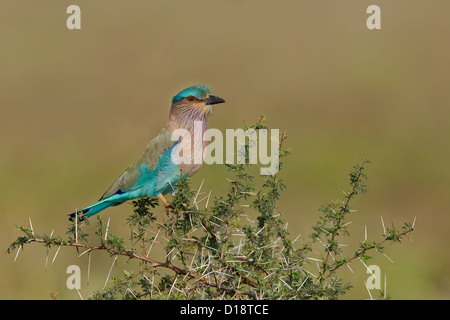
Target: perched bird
[154,172]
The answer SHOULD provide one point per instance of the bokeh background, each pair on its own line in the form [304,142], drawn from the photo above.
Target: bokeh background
[78,106]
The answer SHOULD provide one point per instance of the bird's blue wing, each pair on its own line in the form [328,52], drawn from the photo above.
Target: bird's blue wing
[148,169]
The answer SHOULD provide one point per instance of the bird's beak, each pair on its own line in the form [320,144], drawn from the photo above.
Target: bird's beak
[213,100]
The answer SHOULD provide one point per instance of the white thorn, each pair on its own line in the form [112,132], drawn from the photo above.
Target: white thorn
[387,257]
[260,230]
[31,226]
[107,228]
[368,290]
[384,227]
[57,251]
[109,273]
[89,267]
[153,242]
[46,259]
[79,294]
[131,291]
[303,283]
[76,225]
[17,254]
[207,201]
[295,240]
[173,284]
[370,271]
[85,251]
[173,189]
[198,191]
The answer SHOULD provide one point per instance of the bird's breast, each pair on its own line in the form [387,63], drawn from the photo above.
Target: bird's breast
[192,150]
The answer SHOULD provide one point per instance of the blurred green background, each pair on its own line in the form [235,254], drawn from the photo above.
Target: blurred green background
[78,106]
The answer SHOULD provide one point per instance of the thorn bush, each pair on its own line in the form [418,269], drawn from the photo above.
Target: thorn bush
[219,252]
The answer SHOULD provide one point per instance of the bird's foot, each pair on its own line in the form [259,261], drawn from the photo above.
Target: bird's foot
[166,203]
[168,208]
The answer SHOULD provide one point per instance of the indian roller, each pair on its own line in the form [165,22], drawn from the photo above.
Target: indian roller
[154,173]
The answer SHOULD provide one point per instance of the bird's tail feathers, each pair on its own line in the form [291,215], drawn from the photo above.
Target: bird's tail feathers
[92,210]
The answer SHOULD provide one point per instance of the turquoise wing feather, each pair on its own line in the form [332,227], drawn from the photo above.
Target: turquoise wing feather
[145,170]
[152,173]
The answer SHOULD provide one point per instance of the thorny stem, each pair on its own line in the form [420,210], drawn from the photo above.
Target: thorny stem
[333,236]
[155,263]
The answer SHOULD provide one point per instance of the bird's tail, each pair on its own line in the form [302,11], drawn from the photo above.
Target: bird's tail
[92,210]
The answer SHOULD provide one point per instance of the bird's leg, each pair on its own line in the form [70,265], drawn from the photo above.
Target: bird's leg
[167,205]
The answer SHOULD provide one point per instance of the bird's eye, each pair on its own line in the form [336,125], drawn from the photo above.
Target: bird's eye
[191,98]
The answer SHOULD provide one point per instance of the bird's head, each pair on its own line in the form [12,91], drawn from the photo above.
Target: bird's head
[195,99]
